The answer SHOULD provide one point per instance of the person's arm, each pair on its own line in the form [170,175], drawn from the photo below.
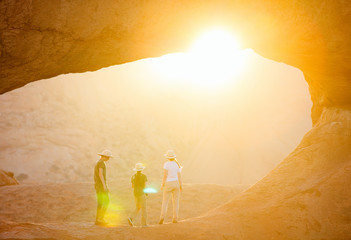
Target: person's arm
[180,181]
[146,185]
[165,174]
[101,175]
[132,181]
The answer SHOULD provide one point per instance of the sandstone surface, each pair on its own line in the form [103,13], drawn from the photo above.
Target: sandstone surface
[26,207]
[42,39]
[7,178]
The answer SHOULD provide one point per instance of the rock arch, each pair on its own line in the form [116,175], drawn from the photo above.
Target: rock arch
[304,197]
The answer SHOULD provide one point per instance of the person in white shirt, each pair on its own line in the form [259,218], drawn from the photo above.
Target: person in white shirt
[171,185]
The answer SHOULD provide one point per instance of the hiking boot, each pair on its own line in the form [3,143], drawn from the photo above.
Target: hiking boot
[130,222]
[161,221]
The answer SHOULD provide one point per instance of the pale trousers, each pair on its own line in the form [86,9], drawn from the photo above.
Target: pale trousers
[171,189]
[140,204]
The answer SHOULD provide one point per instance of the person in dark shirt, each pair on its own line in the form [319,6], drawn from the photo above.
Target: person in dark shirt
[102,192]
[138,184]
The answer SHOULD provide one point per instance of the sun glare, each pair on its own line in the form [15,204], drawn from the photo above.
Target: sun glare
[212,61]
[216,43]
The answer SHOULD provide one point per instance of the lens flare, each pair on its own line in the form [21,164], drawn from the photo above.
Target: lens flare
[150,190]
[114,211]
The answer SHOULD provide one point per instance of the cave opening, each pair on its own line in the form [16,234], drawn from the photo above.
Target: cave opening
[233,133]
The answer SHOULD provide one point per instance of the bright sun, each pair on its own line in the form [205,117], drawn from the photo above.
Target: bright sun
[212,61]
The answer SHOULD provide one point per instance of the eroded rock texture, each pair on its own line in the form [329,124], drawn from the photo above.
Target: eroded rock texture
[307,195]
[7,178]
[41,39]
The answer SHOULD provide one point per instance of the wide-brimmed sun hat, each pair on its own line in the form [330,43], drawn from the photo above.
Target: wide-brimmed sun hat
[139,167]
[106,153]
[170,154]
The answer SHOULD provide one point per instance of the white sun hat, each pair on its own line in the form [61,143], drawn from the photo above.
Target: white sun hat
[138,167]
[170,154]
[106,153]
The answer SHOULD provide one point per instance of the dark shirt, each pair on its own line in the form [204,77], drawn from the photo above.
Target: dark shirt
[99,187]
[138,180]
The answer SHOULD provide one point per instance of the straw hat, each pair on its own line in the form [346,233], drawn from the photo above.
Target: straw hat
[170,154]
[106,153]
[138,167]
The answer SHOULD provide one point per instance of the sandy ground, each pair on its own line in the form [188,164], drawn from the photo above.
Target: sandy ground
[50,208]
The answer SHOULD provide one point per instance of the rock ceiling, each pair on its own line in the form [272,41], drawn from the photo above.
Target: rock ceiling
[42,39]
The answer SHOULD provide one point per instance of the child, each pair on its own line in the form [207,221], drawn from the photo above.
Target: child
[138,184]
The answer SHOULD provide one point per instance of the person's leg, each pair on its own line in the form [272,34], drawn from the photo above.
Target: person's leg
[137,208]
[99,205]
[143,210]
[166,196]
[135,212]
[176,194]
[175,200]
[105,203]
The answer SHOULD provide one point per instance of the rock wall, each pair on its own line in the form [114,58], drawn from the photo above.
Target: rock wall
[306,196]
[42,39]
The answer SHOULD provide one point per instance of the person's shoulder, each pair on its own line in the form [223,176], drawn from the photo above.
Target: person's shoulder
[143,176]
[133,177]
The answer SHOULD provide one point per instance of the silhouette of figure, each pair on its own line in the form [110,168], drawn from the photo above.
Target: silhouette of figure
[171,185]
[102,191]
[138,184]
